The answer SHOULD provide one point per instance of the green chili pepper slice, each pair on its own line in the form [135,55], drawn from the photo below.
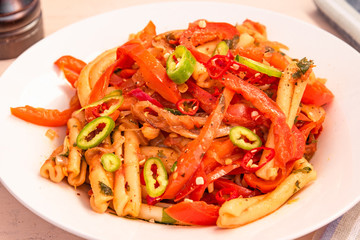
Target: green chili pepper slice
[95,132]
[260,67]
[180,65]
[114,95]
[221,49]
[244,138]
[110,162]
[155,176]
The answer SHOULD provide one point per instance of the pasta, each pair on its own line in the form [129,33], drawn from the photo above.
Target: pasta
[210,125]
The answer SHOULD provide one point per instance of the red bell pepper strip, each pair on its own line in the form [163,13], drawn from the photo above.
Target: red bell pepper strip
[152,70]
[147,34]
[217,151]
[190,159]
[71,68]
[45,117]
[41,116]
[194,213]
[317,93]
[191,189]
[206,100]
[197,34]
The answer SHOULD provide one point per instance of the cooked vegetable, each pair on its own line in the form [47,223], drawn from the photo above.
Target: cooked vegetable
[244,138]
[221,48]
[180,65]
[188,106]
[155,177]
[95,132]
[110,162]
[260,67]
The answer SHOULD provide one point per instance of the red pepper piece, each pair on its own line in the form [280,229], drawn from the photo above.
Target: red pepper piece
[152,70]
[226,194]
[194,213]
[71,68]
[188,106]
[46,117]
[206,100]
[250,155]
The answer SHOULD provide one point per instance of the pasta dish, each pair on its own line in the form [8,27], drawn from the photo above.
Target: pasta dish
[210,125]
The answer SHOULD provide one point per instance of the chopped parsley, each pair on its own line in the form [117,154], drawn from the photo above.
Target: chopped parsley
[303,66]
[173,167]
[161,154]
[65,154]
[105,189]
[303,170]
[173,111]
[232,42]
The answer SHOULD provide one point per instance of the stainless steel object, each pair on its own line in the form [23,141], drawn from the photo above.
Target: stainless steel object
[20,26]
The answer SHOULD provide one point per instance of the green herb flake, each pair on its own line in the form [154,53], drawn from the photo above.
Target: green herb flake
[303,66]
[232,43]
[161,154]
[296,119]
[303,170]
[173,167]
[65,154]
[117,70]
[297,184]
[173,111]
[105,189]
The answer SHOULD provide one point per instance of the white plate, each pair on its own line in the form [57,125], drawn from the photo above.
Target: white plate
[32,80]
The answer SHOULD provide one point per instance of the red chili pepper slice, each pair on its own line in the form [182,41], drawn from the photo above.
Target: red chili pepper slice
[218,65]
[250,155]
[188,106]
[226,194]
[96,111]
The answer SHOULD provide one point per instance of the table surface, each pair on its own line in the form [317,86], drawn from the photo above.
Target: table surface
[16,221]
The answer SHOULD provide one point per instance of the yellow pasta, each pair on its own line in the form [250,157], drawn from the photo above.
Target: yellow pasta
[132,173]
[241,211]
[102,187]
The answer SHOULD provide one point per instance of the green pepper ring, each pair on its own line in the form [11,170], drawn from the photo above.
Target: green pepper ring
[236,137]
[100,135]
[110,162]
[180,72]
[150,181]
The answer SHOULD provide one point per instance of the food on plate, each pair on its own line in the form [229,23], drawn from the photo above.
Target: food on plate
[210,125]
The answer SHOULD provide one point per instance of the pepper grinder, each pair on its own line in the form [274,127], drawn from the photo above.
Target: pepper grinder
[20,26]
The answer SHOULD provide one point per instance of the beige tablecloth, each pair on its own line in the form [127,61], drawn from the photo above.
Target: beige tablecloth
[16,221]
